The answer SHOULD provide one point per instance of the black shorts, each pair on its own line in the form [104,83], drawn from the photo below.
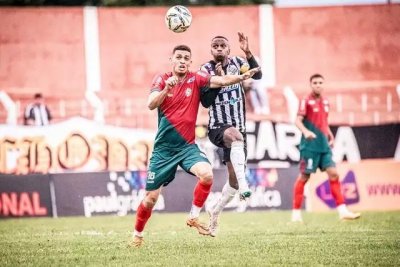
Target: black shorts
[216,137]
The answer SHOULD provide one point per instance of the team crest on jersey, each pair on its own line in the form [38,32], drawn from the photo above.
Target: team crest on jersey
[191,80]
[232,69]
[188,92]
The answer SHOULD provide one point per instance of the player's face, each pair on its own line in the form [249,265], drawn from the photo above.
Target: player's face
[219,49]
[181,61]
[317,85]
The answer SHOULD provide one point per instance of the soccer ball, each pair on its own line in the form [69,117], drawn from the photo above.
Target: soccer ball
[178,19]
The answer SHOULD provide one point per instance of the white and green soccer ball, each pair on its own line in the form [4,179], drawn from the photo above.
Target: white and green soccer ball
[178,19]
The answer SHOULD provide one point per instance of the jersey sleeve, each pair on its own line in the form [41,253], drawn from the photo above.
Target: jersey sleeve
[203,79]
[157,84]
[302,107]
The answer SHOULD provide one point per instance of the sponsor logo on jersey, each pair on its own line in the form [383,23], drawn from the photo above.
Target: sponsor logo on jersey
[188,92]
[229,88]
[231,101]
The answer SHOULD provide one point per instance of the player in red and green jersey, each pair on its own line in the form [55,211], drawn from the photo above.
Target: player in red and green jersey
[176,95]
[315,149]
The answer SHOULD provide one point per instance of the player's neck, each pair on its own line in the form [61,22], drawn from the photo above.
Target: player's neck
[181,76]
[318,96]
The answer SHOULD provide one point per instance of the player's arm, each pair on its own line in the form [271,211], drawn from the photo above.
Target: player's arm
[219,81]
[307,133]
[331,137]
[157,97]
[244,45]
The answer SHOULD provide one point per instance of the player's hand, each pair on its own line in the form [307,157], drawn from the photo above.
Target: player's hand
[170,82]
[248,74]
[244,42]
[309,135]
[331,140]
[219,70]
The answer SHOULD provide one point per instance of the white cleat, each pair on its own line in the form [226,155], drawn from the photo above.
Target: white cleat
[296,216]
[213,224]
[345,214]
[348,215]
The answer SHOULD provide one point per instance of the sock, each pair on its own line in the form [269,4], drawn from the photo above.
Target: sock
[142,215]
[228,193]
[238,160]
[298,192]
[200,194]
[336,191]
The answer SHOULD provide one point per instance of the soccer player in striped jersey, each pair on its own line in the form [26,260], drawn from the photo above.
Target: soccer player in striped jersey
[176,96]
[315,149]
[227,118]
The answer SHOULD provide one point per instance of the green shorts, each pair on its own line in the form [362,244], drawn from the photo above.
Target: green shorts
[310,161]
[165,161]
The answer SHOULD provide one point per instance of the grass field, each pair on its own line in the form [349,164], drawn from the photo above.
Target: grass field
[247,239]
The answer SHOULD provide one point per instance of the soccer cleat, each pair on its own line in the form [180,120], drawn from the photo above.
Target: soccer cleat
[201,228]
[244,191]
[348,215]
[296,216]
[213,224]
[137,241]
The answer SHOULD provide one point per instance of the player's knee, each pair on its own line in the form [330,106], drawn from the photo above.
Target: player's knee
[305,177]
[206,176]
[150,200]
[333,176]
[232,135]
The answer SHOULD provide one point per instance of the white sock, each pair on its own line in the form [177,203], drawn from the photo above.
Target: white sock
[228,193]
[136,233]
[342,208]
[194,212]
[238,160]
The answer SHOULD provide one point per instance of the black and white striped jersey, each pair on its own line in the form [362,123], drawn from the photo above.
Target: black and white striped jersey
[229,105]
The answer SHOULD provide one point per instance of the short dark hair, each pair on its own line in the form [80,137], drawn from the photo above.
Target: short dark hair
[220,36]
[182,47]
[316,75]
[37,95]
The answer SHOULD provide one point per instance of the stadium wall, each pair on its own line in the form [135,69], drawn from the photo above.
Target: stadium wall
[44,49]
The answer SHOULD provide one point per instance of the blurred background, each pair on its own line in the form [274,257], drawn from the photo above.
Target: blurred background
[91,64]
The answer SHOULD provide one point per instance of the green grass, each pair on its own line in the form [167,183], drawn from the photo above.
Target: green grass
[245,239]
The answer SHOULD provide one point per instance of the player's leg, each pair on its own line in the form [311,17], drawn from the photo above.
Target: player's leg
[203,171]
[228,193]
[143,214]
[161,171]
[298,195]
[195,162]
[336,192]
[234,140]
[308,165]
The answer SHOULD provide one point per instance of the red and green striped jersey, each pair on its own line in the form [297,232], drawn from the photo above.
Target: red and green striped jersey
[315,112]
[178,112]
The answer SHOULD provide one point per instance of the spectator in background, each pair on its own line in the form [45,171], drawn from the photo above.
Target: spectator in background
[315,149]
[37,113]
